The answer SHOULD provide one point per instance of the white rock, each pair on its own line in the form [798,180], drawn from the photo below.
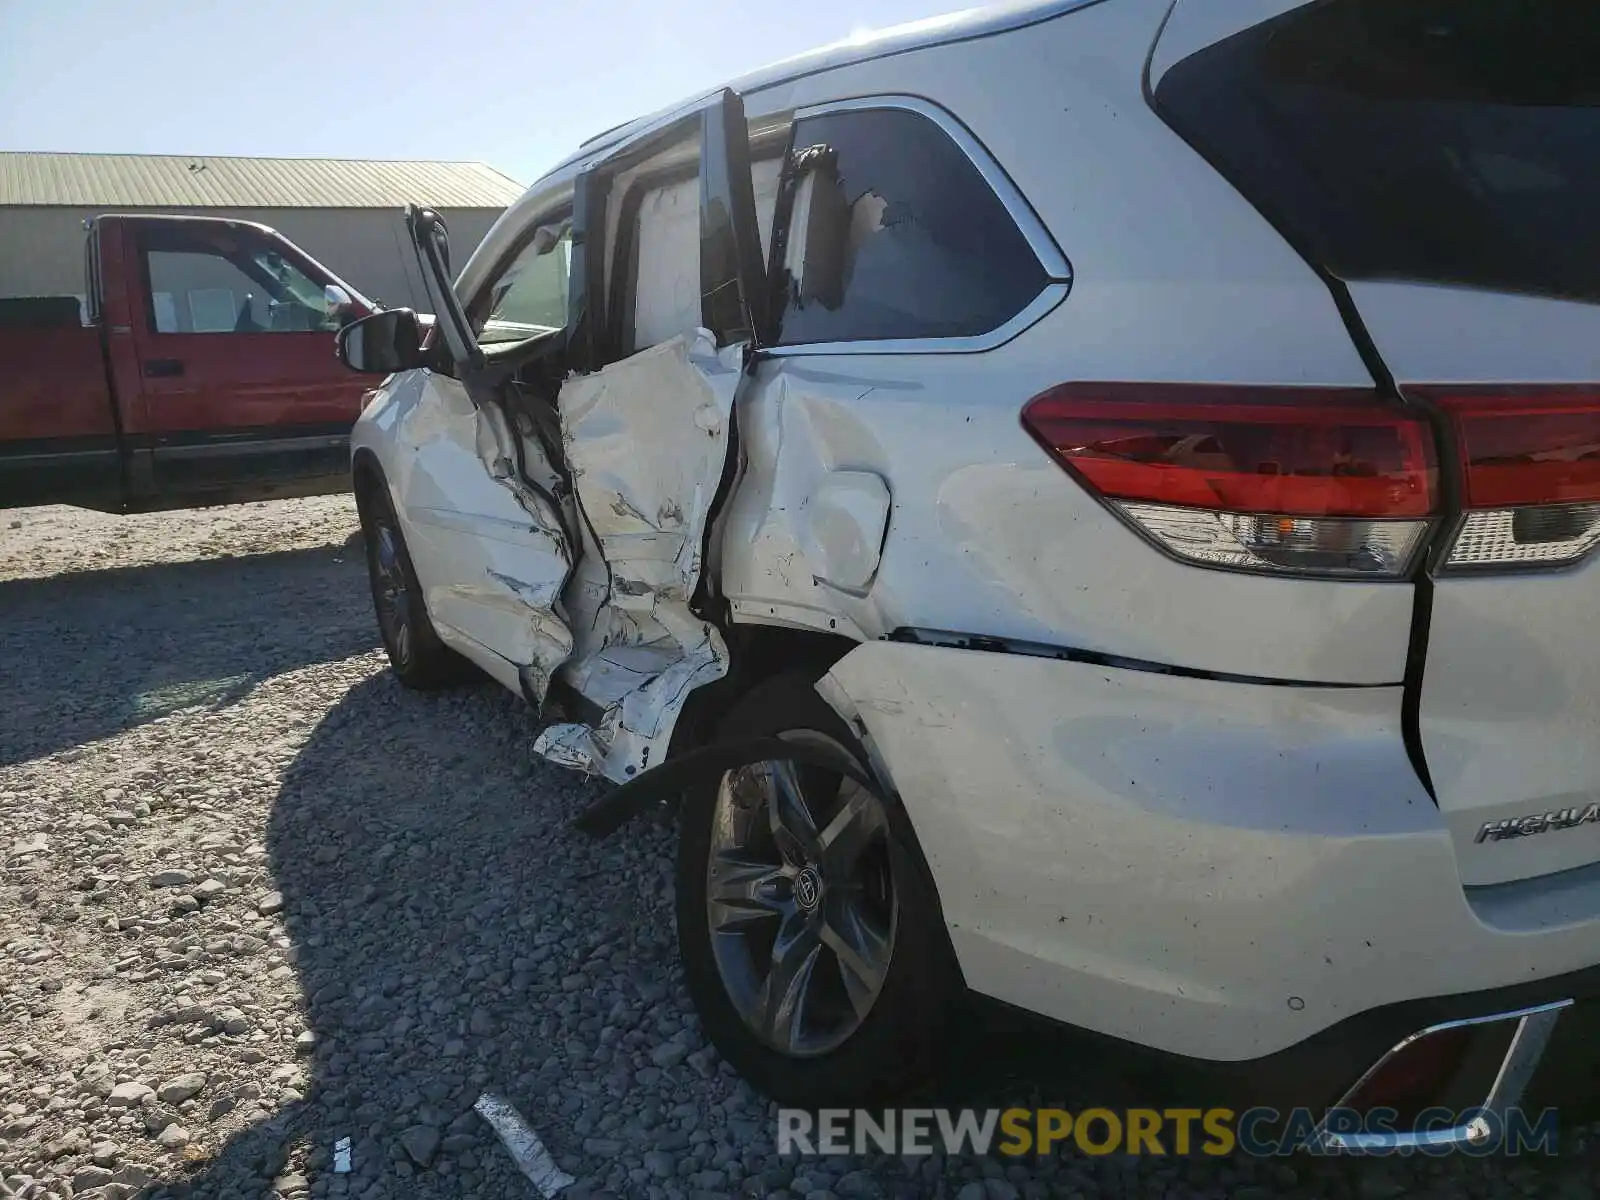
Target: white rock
[173,1137]
[181,1087]
[129,1095]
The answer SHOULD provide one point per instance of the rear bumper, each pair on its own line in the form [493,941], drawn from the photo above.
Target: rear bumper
[1322,1072]
[1218,870]
[1561,1072]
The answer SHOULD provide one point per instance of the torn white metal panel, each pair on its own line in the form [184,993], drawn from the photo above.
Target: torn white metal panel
[523,1144]
[490,551]
[636,730]
[640,672]
[805,528]
[570,744]
[646,441]
[511,460]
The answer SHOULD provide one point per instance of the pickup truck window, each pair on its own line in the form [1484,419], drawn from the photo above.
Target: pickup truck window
[200,288]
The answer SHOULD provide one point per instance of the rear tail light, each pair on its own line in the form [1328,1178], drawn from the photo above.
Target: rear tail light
[1303,481]
[1530,462]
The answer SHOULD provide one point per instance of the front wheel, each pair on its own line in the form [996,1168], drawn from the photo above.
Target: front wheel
[419,659]
[811,940]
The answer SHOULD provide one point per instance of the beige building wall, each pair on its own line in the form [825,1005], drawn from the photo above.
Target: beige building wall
[41,248]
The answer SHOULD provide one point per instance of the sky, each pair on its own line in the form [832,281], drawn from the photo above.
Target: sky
[515,85]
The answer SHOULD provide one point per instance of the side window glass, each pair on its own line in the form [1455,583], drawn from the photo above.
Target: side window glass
[894,233]
[249,289]
[530,296]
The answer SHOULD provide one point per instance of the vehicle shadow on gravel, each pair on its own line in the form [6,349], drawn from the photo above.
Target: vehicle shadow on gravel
[451,936]
[94,653]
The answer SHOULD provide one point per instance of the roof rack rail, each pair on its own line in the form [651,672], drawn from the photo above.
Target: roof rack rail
[602,134]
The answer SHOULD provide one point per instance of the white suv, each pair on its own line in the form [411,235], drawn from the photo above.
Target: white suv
[1092,502]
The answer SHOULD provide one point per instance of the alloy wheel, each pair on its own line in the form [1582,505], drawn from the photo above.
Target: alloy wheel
[391,593]
[801,902]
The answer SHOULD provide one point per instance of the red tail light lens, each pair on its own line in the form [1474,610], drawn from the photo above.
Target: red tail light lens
[1297,480]
[1531,445]
[1294,451]
[1530,464]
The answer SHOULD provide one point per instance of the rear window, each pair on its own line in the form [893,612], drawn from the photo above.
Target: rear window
[1444,141]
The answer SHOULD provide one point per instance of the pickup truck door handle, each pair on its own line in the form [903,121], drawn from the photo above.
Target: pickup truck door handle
[162,368]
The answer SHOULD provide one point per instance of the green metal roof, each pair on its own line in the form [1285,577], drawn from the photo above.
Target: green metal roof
[179,181]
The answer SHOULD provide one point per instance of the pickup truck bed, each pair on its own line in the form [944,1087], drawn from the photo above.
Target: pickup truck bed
[56,416]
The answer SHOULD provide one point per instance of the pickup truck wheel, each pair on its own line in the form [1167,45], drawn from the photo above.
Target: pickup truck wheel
[419,659]
[812,941]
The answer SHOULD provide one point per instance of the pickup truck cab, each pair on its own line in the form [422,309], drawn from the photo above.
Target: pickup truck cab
[203,372]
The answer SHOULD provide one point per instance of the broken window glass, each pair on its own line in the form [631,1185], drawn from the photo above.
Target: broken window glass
[894,233]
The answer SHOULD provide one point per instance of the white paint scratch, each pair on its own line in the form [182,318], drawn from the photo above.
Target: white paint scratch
[523,1144]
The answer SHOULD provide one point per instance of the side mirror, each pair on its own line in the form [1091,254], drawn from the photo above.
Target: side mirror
[382,343]
[432,244]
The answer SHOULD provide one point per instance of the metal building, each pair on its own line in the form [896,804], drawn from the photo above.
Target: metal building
[344,212]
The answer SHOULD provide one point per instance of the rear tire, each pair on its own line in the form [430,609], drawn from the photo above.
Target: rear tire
[864,1012]
[419,659]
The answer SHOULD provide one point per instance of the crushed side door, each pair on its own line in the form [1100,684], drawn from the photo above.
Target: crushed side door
[489,536]
[647,440]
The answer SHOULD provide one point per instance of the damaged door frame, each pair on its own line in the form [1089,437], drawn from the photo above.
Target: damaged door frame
[732,266]
[732,285]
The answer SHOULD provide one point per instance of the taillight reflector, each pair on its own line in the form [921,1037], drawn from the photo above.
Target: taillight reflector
[1530,473]
[1311,452]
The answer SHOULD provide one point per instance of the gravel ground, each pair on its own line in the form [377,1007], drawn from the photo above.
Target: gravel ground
[256,898]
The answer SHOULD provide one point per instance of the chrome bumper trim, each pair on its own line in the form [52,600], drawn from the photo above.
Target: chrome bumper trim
[1534,1026]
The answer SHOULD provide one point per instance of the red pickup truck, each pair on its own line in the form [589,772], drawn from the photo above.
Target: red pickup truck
[202,372]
